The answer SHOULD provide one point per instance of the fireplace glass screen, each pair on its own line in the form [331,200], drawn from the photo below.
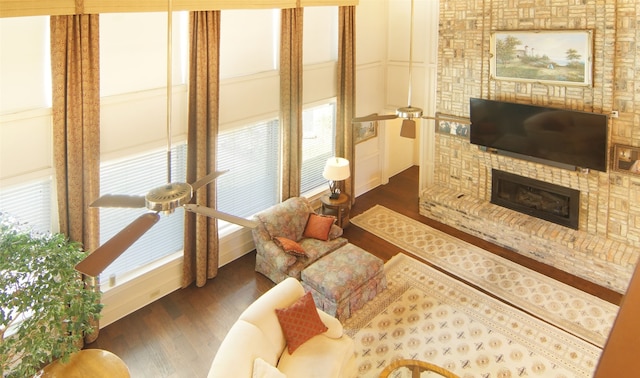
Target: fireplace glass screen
[540,199]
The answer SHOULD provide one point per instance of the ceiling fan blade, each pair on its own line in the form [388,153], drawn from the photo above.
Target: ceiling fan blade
[212,213]
[206,179]
[408,129]
[119,200]
[374,117]
[104,255]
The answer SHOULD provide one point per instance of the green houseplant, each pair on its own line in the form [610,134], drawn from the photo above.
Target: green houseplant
[45,306]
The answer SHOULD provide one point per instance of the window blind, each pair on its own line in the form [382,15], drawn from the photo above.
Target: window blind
[29,203]
[251,156]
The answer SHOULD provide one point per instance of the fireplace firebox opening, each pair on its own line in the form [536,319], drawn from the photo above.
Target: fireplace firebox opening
[540,199]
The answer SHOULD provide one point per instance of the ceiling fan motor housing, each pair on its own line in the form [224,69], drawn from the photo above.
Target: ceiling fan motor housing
[168,197]
[409,112]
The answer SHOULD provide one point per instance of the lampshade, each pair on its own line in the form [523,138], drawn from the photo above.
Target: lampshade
[336,169]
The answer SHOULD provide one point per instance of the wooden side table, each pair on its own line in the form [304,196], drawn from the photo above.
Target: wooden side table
[339,207]
[415,367]
[95,363]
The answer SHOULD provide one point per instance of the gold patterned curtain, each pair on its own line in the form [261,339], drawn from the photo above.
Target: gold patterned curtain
[346,92]
[75,65]
[201,249]
[291,100]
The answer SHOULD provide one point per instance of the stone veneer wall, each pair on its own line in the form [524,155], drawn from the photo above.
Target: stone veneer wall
[610,202]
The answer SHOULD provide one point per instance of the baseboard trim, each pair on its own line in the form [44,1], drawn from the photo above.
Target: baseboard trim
[138,292]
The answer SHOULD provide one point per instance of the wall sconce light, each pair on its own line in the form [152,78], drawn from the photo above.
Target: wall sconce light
[336,169]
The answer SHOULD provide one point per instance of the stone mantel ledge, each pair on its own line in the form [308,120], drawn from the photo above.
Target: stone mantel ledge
[603,261]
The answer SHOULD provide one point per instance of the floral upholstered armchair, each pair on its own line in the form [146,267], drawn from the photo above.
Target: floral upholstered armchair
[291,236]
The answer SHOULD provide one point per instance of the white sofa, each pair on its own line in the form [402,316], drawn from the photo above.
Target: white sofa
[257,335]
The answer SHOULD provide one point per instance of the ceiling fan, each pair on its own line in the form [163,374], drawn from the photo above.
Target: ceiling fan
[165,198]
[408,129]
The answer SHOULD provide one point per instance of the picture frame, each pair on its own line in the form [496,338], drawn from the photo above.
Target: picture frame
[626,159]
[365,131]
[543,56]
[452,125]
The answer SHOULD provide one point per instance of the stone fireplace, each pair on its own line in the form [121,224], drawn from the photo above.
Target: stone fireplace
[539,199]
[606,246]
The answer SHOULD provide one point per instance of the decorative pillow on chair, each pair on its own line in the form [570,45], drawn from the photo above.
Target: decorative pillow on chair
[289,246]
[318,226]
[335,232]
[300,322]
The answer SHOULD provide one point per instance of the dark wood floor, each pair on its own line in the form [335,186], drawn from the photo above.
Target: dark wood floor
[178,335]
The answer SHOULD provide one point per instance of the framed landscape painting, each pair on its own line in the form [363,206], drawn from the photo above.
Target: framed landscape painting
[557,57]
[365,131]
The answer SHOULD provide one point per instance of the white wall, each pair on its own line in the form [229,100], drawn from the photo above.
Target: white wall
[382,84]
[371,43]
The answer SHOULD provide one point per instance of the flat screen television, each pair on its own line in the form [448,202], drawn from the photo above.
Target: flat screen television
[564,136]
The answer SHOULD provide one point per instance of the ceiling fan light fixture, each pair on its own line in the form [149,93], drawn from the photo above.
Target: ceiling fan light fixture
[408,129]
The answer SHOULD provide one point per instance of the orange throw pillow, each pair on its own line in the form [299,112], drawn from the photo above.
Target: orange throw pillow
[289,246]
[318,226]
[300,322]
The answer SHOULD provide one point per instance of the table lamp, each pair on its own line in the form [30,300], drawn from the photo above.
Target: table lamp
[336,169]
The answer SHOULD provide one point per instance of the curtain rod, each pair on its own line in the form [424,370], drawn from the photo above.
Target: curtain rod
[22,8]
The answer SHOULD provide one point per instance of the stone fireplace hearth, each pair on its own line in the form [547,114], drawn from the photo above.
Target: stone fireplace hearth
[582,253]
[539,199]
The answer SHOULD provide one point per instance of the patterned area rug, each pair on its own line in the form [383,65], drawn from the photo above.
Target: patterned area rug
[426,315]
[573,310]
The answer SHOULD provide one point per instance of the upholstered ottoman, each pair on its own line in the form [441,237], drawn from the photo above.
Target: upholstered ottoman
[344,280]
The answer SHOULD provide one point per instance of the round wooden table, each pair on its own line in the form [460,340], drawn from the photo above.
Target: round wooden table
[338,207]
[416,367]
[95,363]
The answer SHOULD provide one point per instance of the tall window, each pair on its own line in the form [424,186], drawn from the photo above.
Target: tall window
[26,158]
[318,144]
[133,127]
[320,54]
[248,140]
